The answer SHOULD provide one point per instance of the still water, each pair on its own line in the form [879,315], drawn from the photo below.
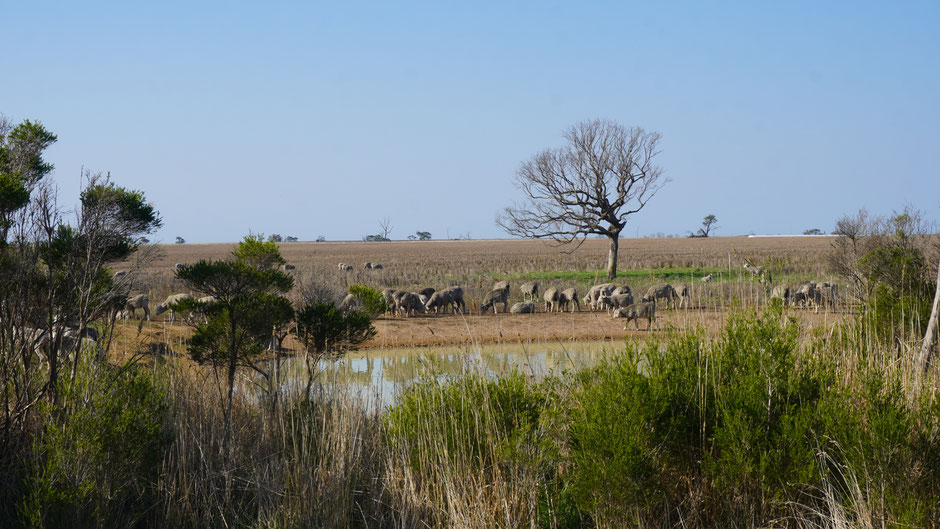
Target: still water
[379,375]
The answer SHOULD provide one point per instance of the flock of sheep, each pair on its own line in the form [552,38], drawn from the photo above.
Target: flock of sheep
[618,301]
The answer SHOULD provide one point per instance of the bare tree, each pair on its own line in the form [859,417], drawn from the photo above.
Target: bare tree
[604,174]
[386,225]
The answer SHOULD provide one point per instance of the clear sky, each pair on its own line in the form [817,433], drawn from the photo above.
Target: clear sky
[312,118]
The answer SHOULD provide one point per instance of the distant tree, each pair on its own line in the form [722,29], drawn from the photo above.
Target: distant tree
[708,224]
[604,174]
[376,238]
[290,238]
[180,240]
[320,238]
[412,238]
[814,231]
[275,237]
[423,235]
[386,226]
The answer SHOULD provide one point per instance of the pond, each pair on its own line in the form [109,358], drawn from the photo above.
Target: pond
[379,375]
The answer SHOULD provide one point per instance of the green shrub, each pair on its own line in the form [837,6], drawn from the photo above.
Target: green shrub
[99,455]
[733,424]
[373,302]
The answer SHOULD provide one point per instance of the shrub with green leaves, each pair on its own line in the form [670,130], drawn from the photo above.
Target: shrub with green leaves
[373,302]
[97,458]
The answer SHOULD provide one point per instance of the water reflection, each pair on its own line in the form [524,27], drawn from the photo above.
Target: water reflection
[383,373]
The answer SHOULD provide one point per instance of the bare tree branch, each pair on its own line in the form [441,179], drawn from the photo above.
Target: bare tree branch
[603,174]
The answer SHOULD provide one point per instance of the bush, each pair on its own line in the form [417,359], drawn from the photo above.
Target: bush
[98,456]
[725,430]
[373,302]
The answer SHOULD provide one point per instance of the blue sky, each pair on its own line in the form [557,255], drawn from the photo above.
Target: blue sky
[321,119]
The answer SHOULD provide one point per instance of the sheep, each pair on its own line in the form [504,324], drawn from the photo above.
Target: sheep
[410,304]
[388,294]
[625,289]
[376,266]
[685,296]
[497,295]
[350,303]
[396,299]
[781,292]
[437,302]
[449,297]
[635,312]
[803,293]
[615,301]
[456,296]
[165,306]
[368,266]
[178,266]
[120,274]
[595,293]
[569,296]
[664,291]
[523,307]
[140,301]
[529,290]
[552,299]
[708,278]
[343,267]
[287,267]
[426,291]
[826,294]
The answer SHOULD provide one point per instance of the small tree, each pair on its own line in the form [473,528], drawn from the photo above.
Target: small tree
[248,305]
[180,240]
[323,329]
[604,174]
[423,235]
[386,228]
[814,231]
[708,224]
[275,237]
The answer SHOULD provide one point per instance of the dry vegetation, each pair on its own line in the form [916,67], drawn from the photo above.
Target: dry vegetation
[475,265]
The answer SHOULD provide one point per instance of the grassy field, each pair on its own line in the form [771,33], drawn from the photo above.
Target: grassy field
[476,265]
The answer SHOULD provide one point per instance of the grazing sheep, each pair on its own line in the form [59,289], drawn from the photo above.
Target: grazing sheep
[665,291]
[625,289]
[166,305]
[456,296]
[806,291]
[523,307]
[708,278]
[119,275]
[529,290]
[438,302]
[368,266]
[350,303]
[685,296]
[595,293]
[376,266]
[388,294]
[781,292]
[497,295]
[426,292]
[343,267]
[410,304]
[552,299]
[826,295]
[635,312]
[396,299]
[569,300]
[501,285]
[615,301]
[140,301]
[287,267]
[178,266]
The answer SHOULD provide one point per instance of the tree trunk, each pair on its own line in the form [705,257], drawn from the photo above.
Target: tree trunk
[930,337]
[612,256]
